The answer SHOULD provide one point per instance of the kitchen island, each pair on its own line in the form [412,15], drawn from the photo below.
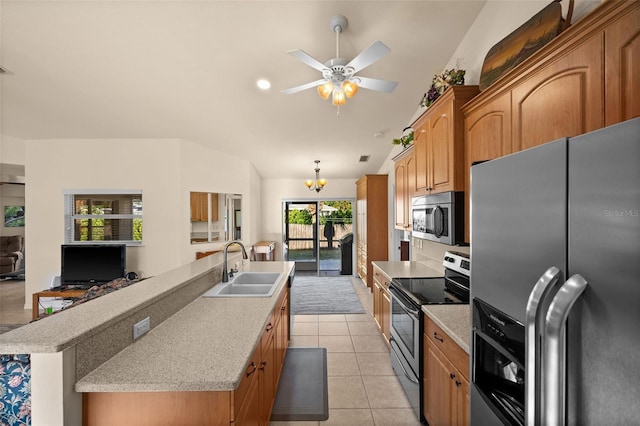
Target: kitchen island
[195,344]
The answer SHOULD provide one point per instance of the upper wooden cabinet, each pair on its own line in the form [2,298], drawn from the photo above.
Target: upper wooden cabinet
[439,142]
[372,219]
[200,207]
[405,178]
[585,79]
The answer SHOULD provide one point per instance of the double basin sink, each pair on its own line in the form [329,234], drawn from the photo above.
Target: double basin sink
[247,284]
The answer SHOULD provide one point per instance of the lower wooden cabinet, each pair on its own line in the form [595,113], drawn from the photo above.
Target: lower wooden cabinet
[250,404]
[382,302]
[446,379]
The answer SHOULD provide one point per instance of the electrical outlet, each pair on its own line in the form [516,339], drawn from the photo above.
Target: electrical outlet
[141,327]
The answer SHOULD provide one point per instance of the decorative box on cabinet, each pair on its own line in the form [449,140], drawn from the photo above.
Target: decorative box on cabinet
[439,142]
[446,378]
[405,178]
[582,80]
[372,224]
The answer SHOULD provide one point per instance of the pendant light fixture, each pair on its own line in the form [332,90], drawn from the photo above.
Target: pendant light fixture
[318,184]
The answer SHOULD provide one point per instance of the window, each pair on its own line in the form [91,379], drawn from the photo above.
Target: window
[103,216]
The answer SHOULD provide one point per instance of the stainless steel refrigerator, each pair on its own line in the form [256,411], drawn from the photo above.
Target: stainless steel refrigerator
[555,283]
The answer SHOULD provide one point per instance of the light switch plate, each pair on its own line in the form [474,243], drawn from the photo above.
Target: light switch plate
[141,327]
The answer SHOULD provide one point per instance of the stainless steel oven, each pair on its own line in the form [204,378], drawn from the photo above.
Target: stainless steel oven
[408,294]
[439,217]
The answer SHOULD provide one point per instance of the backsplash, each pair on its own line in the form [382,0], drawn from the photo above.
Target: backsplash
[432,253]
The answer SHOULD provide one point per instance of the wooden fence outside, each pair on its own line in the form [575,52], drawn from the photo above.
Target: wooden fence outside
[306,231]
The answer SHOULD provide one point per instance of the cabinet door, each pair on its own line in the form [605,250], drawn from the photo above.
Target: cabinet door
[438,392]
[250,412]
[411,184]
[461,403]
[564,98]
[622,73]
[421,152]
[267,373]
[377,298]
[440,149]
[401,193]
[487,136]
[385,313]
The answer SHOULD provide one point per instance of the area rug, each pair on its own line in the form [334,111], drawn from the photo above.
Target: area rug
[303,388]
[324,295]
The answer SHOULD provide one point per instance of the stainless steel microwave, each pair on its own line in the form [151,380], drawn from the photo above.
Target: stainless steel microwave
[439,217]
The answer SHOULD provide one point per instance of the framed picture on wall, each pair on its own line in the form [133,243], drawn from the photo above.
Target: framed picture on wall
[13,216]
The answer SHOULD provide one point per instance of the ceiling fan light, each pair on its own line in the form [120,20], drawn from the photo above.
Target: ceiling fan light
[325,90]
[350,88]
[339,97]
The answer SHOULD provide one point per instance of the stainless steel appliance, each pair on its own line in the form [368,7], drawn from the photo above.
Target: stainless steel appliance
[555,234]
[439,217]
[407,297]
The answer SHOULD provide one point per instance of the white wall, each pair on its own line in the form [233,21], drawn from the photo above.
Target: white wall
[207,170]
[274,191]
[55,165]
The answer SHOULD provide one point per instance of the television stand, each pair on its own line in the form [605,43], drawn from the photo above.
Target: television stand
[67,293]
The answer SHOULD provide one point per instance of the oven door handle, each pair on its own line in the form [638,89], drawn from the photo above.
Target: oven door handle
[399,298]
[411,379]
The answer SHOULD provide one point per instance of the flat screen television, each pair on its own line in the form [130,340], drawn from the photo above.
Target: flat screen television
[85,265]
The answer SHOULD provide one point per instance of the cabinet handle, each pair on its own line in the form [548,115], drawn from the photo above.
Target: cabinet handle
[458,383]
[283,308]
[252,370]
[438,338]
[269,327]
[263,364]
[452,376]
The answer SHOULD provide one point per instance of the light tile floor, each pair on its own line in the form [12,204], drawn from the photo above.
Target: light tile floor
[363,389]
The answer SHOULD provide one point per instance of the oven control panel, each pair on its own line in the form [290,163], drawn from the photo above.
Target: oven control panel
[456,261]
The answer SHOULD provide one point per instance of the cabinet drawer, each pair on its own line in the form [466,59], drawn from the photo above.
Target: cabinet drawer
[458,357]
[248,377]
[381,278]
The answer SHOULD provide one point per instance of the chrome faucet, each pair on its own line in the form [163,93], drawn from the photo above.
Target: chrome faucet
[225,274]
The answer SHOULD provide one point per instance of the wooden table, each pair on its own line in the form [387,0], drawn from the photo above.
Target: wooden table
[63,293]
[264,249]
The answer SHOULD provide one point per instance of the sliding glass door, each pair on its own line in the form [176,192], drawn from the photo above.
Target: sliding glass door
[301,234]
[318,236]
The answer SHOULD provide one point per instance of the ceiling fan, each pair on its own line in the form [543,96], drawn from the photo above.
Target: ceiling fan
[339,79]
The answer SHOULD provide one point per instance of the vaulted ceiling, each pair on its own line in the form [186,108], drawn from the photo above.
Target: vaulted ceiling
[188,69]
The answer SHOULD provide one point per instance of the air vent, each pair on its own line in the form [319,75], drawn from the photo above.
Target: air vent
[364,158]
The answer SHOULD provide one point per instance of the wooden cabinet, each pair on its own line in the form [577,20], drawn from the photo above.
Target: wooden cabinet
[446,378]
[200,211]
[439,142]
[583,80]
[405,179]
[622,72]
[382,302]
[372,224]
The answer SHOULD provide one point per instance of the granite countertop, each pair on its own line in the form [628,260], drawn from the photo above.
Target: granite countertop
[66,328]
[203,347]
[408,269]
[455,320]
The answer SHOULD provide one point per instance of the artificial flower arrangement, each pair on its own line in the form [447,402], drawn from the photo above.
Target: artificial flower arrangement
[406,138]
[440,83]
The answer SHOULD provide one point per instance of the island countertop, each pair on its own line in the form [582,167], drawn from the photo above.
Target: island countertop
[203,347]
[407,269]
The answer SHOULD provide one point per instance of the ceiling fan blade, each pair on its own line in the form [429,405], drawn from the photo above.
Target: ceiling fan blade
[369,55]
[303,87]
[304,57]
[376,84]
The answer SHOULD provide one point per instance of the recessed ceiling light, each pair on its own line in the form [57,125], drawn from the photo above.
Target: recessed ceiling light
[263,84]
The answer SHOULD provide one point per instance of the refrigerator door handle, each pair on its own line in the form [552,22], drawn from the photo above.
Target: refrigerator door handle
[554,350]
[534,320]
